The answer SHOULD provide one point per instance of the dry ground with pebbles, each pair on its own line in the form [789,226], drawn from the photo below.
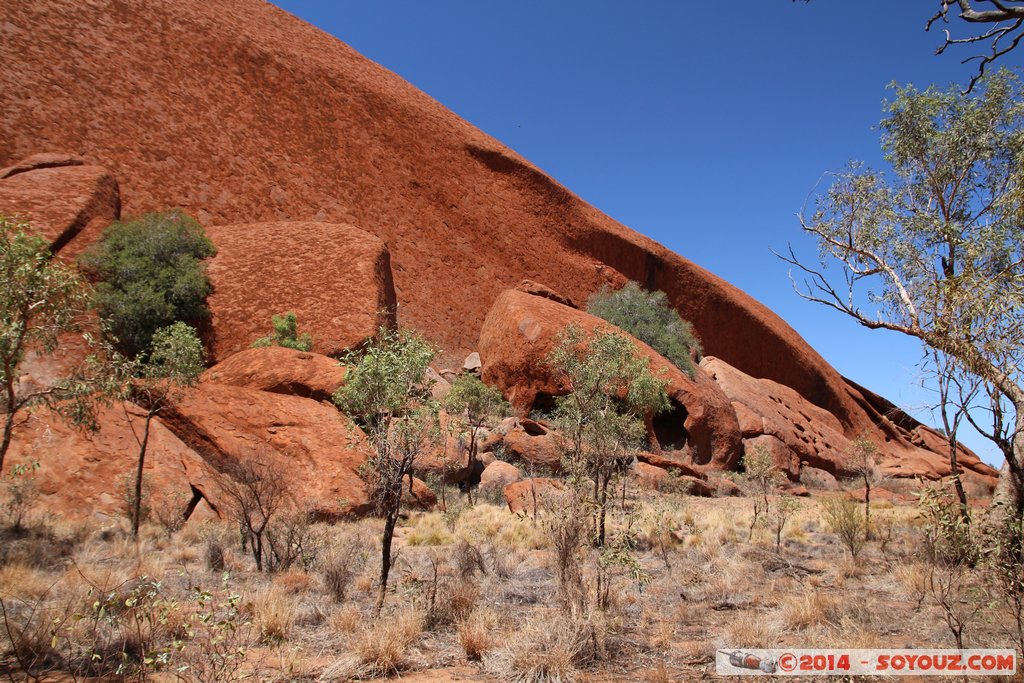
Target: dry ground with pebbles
[475,597]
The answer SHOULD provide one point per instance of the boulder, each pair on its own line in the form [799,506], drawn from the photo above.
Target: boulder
[472,362]
[800,434]
[649,476]
[418,495]
[68,205]
[778,418]
[35,162]
[281,371]
[317,450]
[669,481]
[85,474]
[670,464]
[498,475]
[537,289]
[784,458]
[521,331]
[536,447]
[448,460]
[521,495]
[335,278]
[439,386]
[725,487]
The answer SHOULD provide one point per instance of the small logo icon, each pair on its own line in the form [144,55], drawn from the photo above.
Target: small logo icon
[745,660]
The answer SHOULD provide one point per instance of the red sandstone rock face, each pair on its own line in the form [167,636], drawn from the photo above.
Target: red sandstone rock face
[335,278]
[85,474]
[522,495]
[281,371]
[316,448]
[794,431]
[537,289]
[69,205]
[271,119]
[498,475]
[521,331]
[670,465]
[42,160]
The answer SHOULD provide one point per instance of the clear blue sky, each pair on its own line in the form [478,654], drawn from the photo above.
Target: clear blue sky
[702,125]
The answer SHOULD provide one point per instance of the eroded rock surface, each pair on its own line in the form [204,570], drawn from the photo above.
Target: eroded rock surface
[282,371]
[69,205]
[522,330]
[335,278]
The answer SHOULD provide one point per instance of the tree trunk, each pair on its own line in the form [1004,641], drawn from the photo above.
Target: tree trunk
[5,443]
[472,465]
[385,555]
[137,501]
[867,508]
[602,510]
[1009,491]
[958,484]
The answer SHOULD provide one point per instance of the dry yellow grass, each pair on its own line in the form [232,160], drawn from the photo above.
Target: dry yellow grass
[380,649]
[812,608]
[546,648]
[496,525]
[26,583]
[428,529]
[294,581]
[478,632]
[274,612]
[346,619]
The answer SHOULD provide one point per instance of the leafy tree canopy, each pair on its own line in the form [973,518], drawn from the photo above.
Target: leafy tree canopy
[649,317]
[150,274]
[934,249]
[286,334]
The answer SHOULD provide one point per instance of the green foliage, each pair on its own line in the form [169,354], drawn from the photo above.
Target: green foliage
[844,518]
[611,391]
[385,381]
[761,477]
[149,274]
[177,354]
[285,334]
[473,404]
[949,538]
[386,393]
[779,513]
[479,403]
[649,317]
[933,249]
[175,361]
[42,300]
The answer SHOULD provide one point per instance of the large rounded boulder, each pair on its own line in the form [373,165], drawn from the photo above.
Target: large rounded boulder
[519,334]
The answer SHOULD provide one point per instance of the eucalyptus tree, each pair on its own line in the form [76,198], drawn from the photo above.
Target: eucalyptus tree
[934,249]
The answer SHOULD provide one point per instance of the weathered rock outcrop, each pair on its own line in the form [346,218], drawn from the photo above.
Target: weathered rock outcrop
[280,370]
[521,331]
[498,475]
[35,162]
[335,278]
[529,494]
[533,444]
[86,474]
[270,119]
[796,431]
[316,449]
[68,203]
